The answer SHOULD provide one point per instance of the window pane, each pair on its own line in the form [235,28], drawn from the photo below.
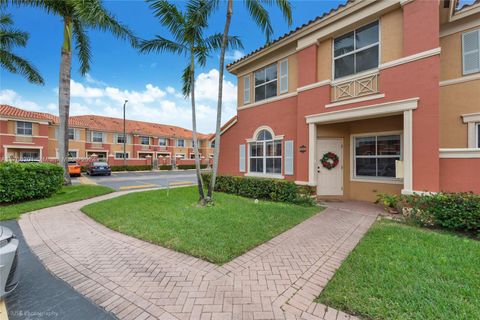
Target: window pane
[365,146]
[269,164]
[260,93]
[264,135]
[388,145]
[366,167]
[259,147]
[253,150]
[366,35]
[344,66]
[271,89]
[343,44]
[71,133]
[277,168]
[271,72]
[278,148]
[260,77]
[478,135]
[367,59]
[386,167]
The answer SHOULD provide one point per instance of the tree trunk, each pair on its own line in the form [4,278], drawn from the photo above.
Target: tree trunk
[216,152]
[201,194]
[64,98]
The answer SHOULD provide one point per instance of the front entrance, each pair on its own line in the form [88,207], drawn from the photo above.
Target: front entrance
[329,181]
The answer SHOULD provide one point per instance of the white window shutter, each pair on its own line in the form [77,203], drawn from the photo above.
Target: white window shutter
[241,165]
[129,138]
[76,134]
[284,76]
[56,132]
[471,51]
[289,157]
[246,89]
[89,136]
[104,137]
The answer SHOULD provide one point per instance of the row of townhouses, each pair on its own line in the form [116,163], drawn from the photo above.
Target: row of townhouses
[27,135]
[374,96]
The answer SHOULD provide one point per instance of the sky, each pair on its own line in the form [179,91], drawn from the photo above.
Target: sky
[150,82]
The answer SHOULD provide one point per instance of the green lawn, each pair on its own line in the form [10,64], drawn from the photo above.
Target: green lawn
[403,272]
[65,195]
[216,233]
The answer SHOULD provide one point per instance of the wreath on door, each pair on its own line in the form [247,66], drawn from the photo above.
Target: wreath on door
[330,160]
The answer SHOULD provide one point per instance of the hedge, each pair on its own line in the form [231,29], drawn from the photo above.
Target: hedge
[190,166]
[131,168]
[261,188]
[165,167]
[26,181]
[452,211]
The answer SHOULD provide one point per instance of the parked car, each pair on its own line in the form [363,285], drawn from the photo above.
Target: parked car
[74,169]
[8,261]
[98,168]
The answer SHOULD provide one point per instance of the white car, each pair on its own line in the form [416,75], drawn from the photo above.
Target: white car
[8,261]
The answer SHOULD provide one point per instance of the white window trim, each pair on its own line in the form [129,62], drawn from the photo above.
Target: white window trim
[163,145]
[121,134]
[24,135]
[246,88]
[357,50]
[184,143]
[184,157]
[282,77]
[143,144]
[477,140]
[274,138]
[265,83]
[354,178]
[117,152]
[159,154]
[193,154]
[473,121]
[93,133]
[464,72]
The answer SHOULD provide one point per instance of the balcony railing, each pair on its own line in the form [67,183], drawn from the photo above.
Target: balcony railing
[96,145]
[24,139]
[145,147]
[355,87]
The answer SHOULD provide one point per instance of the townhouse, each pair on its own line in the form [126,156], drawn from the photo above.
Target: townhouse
[28,135]
[372,97]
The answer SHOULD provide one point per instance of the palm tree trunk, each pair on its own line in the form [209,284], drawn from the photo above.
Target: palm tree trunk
[219,101]
[64,98]
[201,200]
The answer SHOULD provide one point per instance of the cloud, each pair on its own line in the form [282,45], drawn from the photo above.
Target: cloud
[152,103]
[92,80]
[10,97]
[234,55]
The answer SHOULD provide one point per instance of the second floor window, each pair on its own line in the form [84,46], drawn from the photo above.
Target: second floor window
[266,82]
[71,133]
[180,143]
[24,128]
[145,140]
[356,51]
[471,51]
[120,138]
[162,142]
[97,137]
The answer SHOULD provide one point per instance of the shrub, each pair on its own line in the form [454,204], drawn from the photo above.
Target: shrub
[190,166]
[165,167]
[261,188]
[131,168]
[453,211]
[26,181]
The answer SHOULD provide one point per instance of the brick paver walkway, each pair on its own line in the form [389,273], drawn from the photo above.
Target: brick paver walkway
[138,280]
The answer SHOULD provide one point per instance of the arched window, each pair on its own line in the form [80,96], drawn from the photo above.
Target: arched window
[265,154]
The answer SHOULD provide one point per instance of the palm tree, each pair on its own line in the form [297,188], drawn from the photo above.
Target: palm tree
[77,16]
[188,39]
[260,16]
[10,38]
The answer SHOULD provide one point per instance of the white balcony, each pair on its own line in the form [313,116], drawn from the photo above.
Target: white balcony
[355,86]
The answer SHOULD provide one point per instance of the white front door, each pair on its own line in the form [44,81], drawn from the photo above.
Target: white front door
[329,181]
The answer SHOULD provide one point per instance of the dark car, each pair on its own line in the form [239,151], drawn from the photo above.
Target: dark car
[98,168]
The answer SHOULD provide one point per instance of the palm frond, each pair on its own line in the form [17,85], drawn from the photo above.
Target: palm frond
[214,42]
[82,46]
[169,16]
[91,13]
[16,64]
[186,81]
[260,16]
[6,19]
[160,44]
[286,9]
[12,37]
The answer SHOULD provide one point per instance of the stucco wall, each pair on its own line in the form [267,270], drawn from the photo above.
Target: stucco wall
[391,35]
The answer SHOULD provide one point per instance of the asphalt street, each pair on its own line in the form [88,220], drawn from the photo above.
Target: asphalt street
[140,180]
[42,296]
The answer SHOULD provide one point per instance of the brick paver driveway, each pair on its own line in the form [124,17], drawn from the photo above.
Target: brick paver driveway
[138,280]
